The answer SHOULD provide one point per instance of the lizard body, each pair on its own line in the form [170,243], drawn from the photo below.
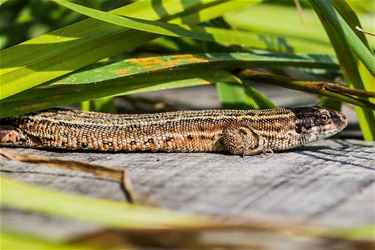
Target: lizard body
[241,132]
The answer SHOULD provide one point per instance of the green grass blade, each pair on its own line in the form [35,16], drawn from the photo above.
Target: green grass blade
[62,51]
[220,6]
[81,32]
[155,27]
[105,104]
[148,74]
[350,17]
[225,36]
[85,105]
[264,20]
[121,215]
[337,23]
[262,41]
[104,212]
[354,71]
[42,98]
[136,66]
[366,119]
[356,232]
[241,96]
[261,101]
[11,240]
[233,96]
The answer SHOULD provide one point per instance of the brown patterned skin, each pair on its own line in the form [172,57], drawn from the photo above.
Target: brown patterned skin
[240,132]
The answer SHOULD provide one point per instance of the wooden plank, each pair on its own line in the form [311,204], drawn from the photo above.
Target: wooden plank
[330,183]
[320,183]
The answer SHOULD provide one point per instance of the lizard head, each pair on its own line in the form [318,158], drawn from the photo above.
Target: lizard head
[314,123]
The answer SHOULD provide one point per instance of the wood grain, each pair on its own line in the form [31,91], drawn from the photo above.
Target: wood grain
[328,183]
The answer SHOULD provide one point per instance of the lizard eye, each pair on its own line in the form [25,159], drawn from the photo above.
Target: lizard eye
[243,131]
[325,118]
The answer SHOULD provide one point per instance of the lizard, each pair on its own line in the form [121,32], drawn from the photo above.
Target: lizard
[239,132]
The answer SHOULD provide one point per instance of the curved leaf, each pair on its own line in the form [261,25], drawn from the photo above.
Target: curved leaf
[330,17]
[137,75]
[226,36]
[104,212]
[355,73]
[135,66]
[62,51]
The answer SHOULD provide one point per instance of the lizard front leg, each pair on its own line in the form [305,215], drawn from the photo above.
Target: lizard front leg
[242,141]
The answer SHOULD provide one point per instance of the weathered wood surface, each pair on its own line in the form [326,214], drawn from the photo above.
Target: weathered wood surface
[327,183]
[330,183]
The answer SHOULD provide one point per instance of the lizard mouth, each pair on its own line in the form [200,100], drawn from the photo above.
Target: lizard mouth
[339,120]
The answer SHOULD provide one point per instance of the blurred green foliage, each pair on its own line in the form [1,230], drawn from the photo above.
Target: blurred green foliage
[21,20]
